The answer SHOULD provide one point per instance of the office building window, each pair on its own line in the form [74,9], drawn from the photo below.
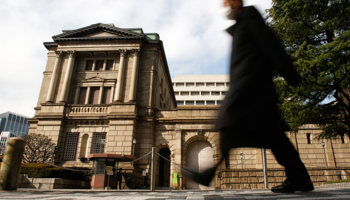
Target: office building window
[180,103]
[194,93]
[210,84]
[180,84]
[220,84]
[215,93]
[189,102]
[189,84]
[205,93]
[71,146]
[98,142]
[199,102]
[185,93]
[210,102]
[200,84]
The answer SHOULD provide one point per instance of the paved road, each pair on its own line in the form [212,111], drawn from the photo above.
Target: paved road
[321,193]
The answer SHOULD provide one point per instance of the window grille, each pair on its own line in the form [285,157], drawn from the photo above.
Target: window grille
[98,143]
[71,146]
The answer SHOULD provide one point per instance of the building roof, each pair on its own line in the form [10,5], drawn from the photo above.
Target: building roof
[100,32]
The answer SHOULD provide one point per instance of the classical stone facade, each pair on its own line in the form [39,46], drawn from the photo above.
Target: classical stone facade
[108,90]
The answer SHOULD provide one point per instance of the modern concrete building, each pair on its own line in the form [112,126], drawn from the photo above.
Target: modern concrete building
[4,138]
[107,96]
[15,123]
[200,89]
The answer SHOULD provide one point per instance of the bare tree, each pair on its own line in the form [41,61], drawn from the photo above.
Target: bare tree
[38,148]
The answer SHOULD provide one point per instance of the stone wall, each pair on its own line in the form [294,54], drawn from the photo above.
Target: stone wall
[254,178]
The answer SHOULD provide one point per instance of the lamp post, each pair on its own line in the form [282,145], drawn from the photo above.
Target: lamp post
[241,158]
[324,150]
[133,150]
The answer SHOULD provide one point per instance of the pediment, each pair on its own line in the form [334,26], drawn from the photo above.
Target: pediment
[98,32]
[94,79]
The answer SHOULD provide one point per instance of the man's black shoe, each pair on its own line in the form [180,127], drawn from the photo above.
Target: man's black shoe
[203,178]
[289,186]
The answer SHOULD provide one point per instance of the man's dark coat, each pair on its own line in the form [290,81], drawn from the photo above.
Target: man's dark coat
[249,112]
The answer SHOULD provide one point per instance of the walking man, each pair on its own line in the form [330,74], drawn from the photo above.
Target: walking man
[249,116]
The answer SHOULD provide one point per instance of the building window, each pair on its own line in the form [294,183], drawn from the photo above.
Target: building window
[308,138]
[210,102]
[109,65]
[215,93]
[82,95]
[199,102]
[185,93]
[189,102]
[210,84]
[220,84]
[205,93]
[180,84]
[99,64]
[94,95]
[189,84]
[71,146]
[200,84]
[106,98]
[176,93]
[194,93]
[98,143]
[89,64]
[180,103]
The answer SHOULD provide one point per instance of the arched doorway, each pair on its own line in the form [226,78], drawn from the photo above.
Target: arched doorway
[164,168]
[199,158]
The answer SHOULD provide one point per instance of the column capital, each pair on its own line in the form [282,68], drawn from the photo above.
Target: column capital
[136,52]
[71,54]
[122,52]
[58,53]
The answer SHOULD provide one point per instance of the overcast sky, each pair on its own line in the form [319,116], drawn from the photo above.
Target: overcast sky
[192,32]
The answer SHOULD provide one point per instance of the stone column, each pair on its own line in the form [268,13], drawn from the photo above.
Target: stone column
[101,95]
[87,96]
[68,76]
[177,157]
[54,77]
[77,92]
[134,75]
[11,164]
[120,81]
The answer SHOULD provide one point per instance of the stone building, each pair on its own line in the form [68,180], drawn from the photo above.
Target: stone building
[108,90]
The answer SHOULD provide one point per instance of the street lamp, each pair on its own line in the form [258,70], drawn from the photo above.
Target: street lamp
[133,150]
[324,150]
[241,158]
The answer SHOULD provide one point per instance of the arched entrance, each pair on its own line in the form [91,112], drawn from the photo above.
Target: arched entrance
[199,157]
[164,168]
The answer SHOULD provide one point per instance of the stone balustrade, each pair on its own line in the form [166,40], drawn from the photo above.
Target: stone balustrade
[88,109]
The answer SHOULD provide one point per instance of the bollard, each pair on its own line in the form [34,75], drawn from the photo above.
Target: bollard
[11,163]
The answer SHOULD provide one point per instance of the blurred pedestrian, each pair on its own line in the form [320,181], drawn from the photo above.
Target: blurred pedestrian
[249,116]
